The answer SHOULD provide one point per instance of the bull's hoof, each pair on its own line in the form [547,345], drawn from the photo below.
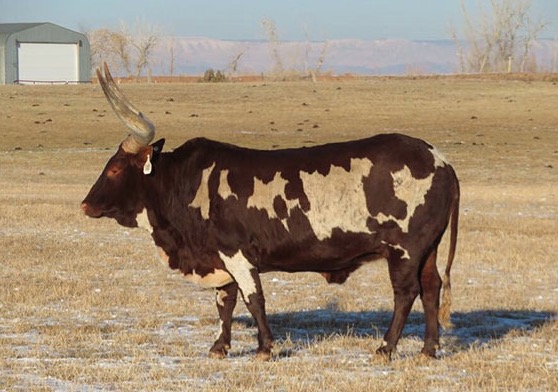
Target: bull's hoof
[263,356]
[428,352]
[385,351]
[219,353]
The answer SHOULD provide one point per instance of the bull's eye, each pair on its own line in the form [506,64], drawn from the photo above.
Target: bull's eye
[113,171]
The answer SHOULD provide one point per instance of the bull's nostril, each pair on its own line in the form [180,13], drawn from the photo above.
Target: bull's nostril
[84,207]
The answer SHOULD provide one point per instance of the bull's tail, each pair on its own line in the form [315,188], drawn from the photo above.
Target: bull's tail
[444,312]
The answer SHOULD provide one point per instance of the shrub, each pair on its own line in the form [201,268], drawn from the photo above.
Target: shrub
[211,76]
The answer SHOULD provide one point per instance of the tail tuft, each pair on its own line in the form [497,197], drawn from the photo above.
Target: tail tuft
[444,314]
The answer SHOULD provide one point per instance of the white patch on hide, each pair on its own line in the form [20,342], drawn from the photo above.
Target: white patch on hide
[264,194]
[220,296]
[439,158]
[241,270]
[410,190]
[143,221]
[219,329]
[217,278]
[337,200]
[400,248]
[201,200]
[224,189]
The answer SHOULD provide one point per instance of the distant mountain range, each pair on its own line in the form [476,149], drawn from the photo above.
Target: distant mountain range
[194,55]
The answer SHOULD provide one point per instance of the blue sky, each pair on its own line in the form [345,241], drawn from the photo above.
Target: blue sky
[237,19]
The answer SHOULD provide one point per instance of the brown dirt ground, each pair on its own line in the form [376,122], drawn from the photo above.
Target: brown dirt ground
[84,305]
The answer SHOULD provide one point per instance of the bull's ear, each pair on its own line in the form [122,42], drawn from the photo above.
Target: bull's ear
[149,155]
[157,149]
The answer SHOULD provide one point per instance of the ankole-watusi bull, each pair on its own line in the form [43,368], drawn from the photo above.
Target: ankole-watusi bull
[223,214]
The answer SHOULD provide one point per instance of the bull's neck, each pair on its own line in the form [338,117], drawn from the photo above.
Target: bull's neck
[166,185]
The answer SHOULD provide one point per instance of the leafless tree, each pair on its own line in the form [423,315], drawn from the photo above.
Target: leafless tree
[315,71]
[110,46]
[321,60]
[307,51]
[126,49]
[499,38]
[532,31]
[233,65]
[119,44]
[143,38]
[554,61]
[273,38]
[172,55]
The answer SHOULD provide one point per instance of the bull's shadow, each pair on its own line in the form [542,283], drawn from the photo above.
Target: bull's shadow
[470,329]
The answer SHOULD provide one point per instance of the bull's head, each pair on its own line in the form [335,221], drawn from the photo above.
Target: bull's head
[117,192]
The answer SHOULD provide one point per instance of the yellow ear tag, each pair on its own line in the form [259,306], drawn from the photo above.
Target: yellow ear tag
[147,167]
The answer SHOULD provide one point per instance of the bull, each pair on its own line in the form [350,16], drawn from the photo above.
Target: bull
[223,214]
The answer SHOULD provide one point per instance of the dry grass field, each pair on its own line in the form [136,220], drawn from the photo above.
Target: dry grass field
[86,306]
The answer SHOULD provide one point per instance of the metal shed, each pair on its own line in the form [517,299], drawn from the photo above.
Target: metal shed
[43,53]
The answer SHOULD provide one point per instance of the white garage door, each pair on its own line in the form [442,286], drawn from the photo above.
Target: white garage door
[47,62]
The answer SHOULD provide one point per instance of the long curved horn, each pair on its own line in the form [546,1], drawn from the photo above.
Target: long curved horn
[143,130]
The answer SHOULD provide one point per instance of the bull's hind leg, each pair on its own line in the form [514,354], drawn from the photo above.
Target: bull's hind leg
[430,283]
[404,280]
[226,301]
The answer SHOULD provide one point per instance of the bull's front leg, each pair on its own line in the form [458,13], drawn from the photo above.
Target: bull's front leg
[225,298]
[248,280]
[255,302]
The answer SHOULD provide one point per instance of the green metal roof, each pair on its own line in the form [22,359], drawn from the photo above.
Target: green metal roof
[9,28]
